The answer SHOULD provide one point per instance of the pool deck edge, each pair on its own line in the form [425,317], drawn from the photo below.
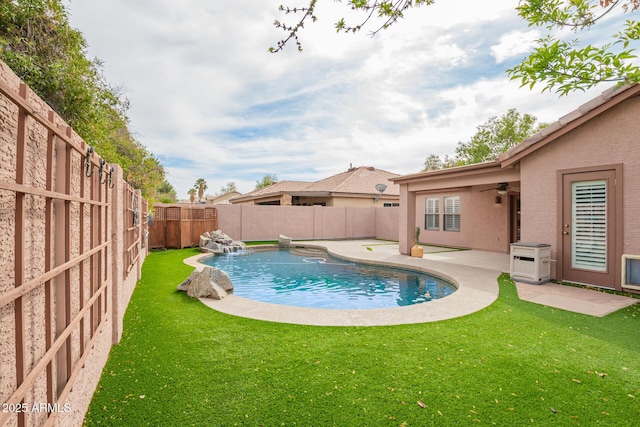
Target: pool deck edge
[475,274]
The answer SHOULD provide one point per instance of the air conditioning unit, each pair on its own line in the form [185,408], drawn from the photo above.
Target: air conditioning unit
[530,262]
[631,271]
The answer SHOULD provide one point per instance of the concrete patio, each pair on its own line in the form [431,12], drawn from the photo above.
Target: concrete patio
[475,272]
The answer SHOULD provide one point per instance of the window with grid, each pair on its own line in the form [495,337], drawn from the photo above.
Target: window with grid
[452,213]
[432,214]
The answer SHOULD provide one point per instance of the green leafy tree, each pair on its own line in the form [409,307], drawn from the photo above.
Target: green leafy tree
[229,188]
[560,65]
[201,187]
[494,137]
[434,162]
[39,45]
[267,180]
[166,193]
[567,65]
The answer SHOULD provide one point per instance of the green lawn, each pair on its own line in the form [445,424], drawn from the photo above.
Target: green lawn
[512,364]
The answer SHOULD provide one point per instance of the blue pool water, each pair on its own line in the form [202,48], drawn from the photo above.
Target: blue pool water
[311,278]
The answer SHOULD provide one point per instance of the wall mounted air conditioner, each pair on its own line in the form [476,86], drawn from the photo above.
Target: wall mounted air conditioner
[631,271]
[530,262]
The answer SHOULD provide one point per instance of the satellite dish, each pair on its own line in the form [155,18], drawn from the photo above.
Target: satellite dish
[380,188]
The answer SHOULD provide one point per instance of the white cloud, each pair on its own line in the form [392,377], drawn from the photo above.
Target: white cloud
[513,44]
[210,101]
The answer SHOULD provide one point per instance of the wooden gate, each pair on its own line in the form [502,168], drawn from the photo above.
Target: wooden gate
[181,226]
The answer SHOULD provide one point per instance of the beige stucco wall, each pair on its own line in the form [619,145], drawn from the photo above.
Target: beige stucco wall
[387,220]
[254,222]
[611,138]
[483,225]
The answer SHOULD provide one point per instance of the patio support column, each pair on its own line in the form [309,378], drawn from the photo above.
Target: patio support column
[407,219]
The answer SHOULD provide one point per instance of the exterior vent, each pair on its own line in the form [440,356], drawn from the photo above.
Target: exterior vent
[530,262]
[631,271]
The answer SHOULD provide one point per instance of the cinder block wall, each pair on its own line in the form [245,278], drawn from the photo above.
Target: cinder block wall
[69,261]
[255,222]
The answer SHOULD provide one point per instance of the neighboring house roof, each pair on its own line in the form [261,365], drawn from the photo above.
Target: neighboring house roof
[223,198]
[361,180]
[355,181]
[274,189]
[566,123]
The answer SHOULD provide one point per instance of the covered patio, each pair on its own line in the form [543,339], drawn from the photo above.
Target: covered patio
[475,206]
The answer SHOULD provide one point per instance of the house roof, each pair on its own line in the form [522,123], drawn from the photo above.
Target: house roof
[457,170]
[355,181]
[606,100]
[360,180]
[223,198]
[274,189]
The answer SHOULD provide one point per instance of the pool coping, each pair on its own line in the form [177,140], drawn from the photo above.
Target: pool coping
[477,289]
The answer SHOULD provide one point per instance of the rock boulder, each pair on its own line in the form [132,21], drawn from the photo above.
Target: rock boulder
[207,283]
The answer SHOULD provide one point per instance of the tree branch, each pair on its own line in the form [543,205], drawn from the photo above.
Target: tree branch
[388,10]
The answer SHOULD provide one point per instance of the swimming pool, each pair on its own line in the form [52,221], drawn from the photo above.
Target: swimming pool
[306,277]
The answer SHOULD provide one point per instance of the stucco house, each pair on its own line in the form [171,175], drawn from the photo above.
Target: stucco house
[575,185]
[356,188]
[222,199]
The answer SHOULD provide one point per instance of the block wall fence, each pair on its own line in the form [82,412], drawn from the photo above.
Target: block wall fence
[179,226]
[251,222]
[72,242]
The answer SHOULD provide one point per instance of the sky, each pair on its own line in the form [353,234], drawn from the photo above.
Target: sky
[210,101]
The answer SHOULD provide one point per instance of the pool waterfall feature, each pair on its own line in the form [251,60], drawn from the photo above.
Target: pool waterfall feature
[218,242]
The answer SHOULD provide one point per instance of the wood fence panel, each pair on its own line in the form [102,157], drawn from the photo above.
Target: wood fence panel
[181,226]
[198,226]
[186,227]
[173,235]
[158,230]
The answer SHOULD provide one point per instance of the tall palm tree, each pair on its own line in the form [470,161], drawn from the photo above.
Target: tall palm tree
[192,194]
[201,186]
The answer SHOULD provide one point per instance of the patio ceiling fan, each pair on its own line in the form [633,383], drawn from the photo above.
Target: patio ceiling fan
[501,188]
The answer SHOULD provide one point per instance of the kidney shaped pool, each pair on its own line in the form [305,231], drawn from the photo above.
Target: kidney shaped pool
[307,277]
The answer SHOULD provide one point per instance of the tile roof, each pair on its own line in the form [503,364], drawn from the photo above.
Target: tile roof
[357,180]
[621,92]
[280,186]
[605,100]
[360,180]
[222,198]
